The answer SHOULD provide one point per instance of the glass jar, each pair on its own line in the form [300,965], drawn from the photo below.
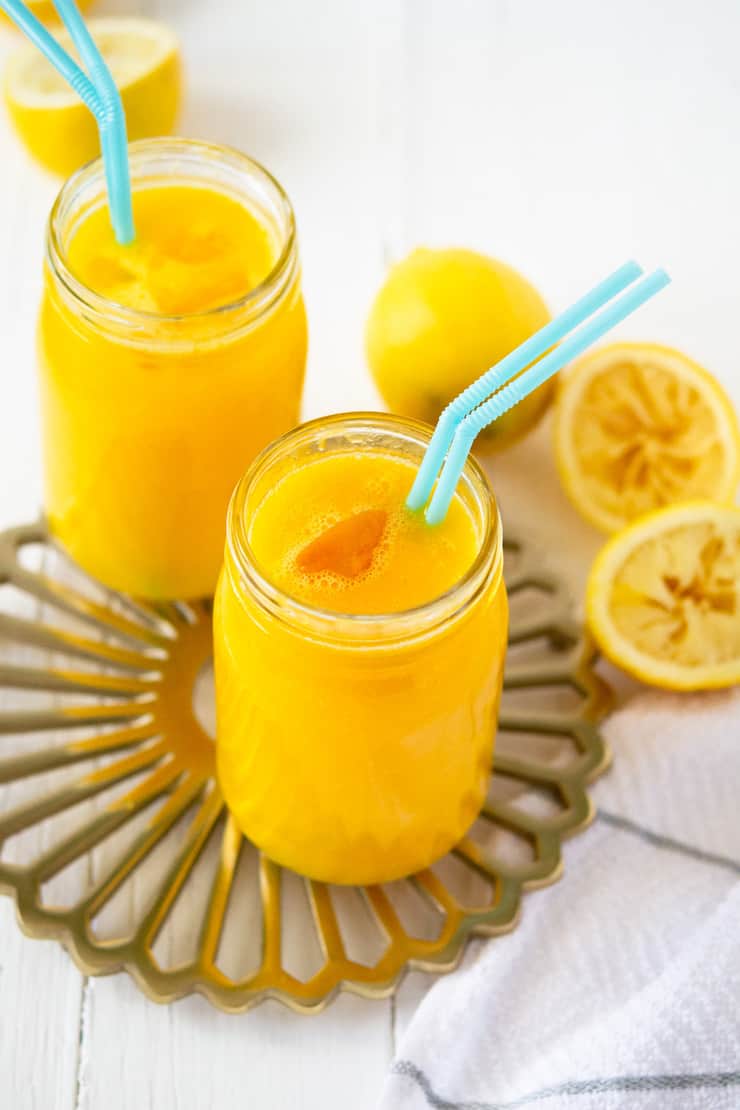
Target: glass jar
[148,420]
[356,749]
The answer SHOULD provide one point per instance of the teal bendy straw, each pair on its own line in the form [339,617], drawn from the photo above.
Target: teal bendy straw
[98,92]
[50,48]
[571,346]
[498,375]
[111,121]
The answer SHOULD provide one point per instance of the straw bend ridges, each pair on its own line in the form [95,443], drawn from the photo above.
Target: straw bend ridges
[479,405]
[499,404]
[111,121]
[82,85]
[98,92]
[512,364]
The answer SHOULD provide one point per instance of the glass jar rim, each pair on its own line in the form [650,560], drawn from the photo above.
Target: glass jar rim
[405,624]
[257,301]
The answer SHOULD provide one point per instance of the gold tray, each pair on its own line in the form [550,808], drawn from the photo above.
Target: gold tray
[115,841]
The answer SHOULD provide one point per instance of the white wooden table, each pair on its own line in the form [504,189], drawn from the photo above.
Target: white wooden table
[563,137]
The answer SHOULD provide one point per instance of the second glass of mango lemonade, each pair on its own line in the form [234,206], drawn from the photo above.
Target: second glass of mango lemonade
[358,653]
[165,365]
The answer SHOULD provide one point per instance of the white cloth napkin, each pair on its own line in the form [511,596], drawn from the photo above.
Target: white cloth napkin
[620,987]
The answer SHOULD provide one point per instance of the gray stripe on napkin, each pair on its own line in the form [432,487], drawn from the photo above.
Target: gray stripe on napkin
[667,842]
[573,1087]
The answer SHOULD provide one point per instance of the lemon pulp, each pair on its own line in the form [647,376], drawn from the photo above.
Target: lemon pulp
[663,597]
[637,427]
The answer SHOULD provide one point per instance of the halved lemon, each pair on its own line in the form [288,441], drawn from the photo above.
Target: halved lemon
[639,426]
[45,10]
[58,130]
[663,597]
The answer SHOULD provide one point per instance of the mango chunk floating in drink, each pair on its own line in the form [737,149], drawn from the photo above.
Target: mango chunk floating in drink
[335,534]
[166,364]
[358,652]
[346,549]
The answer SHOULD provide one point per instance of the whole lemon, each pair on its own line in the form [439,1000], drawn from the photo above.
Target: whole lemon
[443,317]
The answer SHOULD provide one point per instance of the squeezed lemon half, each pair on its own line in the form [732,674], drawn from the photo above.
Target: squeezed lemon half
[56,127]
[639,426]
[663,597]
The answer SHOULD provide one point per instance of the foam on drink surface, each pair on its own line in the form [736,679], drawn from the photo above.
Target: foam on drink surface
[195,250]
[335,533]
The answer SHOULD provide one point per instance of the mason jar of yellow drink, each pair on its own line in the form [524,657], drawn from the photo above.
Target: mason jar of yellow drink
[359,653]
[168,364]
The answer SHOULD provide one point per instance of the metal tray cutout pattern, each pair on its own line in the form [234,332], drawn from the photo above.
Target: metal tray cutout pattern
[115,841]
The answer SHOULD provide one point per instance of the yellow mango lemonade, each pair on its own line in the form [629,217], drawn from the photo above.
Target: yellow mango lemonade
[358,653]
[168,364]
